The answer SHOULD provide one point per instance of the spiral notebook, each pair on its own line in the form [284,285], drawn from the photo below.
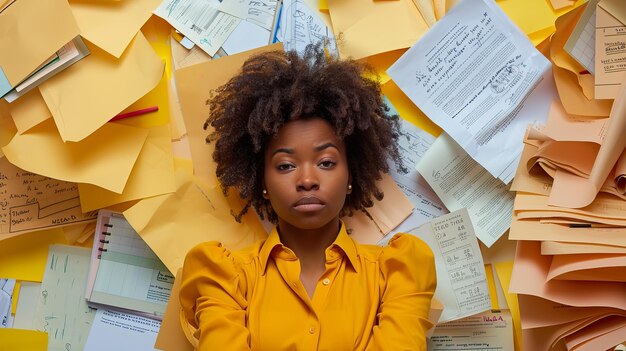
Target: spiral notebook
[124,272]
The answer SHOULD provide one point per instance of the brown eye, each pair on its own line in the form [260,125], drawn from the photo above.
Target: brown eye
[327,164]
[285,167]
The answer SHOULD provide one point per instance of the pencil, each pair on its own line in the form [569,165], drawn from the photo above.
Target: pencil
[135,113]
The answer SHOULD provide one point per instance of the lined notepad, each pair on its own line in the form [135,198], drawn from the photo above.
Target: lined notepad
[128,274]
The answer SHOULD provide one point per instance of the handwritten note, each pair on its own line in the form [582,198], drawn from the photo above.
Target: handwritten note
[472,74]
[300,26]
[62,311]
[30,202]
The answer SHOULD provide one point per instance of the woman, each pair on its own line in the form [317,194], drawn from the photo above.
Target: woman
[303,140]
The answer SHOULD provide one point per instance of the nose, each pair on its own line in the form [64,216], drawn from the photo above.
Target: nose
[307,179]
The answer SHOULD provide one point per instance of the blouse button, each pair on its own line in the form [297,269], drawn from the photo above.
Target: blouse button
[312,330]
[326,281]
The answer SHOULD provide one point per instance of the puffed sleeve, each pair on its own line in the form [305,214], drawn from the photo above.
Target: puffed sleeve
[408,282]
[212,298]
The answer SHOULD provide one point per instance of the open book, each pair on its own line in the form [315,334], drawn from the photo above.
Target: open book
[124,272]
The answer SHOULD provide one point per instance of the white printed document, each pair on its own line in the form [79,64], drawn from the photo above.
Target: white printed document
[199,20]
[474,73]
[413,145]
[461,279]
[114,330]
[460,182]
[488,331]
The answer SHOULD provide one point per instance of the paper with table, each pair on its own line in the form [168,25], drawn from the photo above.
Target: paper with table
[610,39]
[480,79]
[128,275]
[581,44]
[460,182]
[461,279]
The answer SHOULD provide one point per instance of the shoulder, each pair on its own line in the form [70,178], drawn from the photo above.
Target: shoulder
[401,246]
[214,252]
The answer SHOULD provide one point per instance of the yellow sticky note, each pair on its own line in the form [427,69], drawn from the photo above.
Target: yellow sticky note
[24,257]
[111,25]
[92,91]
[23,340]
[153,174]
[105,158]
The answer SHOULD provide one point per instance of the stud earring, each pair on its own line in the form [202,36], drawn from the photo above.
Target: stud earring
[350,187]
[264,192]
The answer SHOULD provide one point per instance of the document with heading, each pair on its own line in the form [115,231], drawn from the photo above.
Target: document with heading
[114,330]
[460,182]
[461,278]
[491,330]
[474,73]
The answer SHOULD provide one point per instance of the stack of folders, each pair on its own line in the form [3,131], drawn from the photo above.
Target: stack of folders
[124,272]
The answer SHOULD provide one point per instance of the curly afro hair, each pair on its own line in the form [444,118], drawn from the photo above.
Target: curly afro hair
[276,87]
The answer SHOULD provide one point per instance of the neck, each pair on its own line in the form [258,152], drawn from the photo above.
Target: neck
[309,244]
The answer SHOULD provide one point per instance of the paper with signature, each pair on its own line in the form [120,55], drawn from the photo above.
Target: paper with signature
[490,330]
[473,74]
[199,20]
[461,278]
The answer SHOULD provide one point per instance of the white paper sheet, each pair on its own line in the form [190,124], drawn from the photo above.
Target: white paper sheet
[26,305]
[472,74]
[491,330]
[6,299]
[246,36]
[461,278]
[113,330]
[259,12]
[427,205]
[460,182]
[299,26]
[200,21]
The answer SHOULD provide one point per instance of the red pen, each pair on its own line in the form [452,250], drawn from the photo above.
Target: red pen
[135,113]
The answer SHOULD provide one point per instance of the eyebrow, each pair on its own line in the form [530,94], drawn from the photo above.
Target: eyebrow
[316,149]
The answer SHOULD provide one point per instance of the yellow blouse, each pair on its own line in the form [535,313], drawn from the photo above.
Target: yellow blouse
[369,297]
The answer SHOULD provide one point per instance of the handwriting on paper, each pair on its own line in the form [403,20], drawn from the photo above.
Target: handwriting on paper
[31,202]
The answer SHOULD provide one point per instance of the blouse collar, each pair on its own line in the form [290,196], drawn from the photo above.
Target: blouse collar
[343,242]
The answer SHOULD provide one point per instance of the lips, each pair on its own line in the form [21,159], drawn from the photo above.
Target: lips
[308,204]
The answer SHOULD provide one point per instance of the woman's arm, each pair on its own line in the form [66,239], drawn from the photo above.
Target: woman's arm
[212,299]
[407,286]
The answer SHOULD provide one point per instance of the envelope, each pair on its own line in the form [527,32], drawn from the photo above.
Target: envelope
[610,59]
[105,158]
[365,28]
[92,91]
[32,31]
[193,210]
[194,85]
[24,257]
[171,334]
[29,110]
[152,174]
[23,339]
[111,25]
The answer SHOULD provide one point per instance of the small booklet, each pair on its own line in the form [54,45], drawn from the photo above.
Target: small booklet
[125,273]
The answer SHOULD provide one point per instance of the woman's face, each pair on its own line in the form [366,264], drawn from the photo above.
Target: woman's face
[306,174]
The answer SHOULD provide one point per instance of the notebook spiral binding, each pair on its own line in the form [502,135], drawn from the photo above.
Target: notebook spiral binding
[104,241]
